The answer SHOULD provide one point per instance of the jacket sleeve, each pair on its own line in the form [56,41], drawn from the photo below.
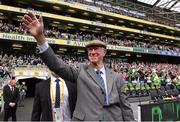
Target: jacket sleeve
[127,111]
[5,95]
[58,66]
[36,112]
[17,96]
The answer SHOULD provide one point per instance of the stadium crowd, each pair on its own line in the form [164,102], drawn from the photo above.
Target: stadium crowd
[136,72]
[80,36]
[100,5]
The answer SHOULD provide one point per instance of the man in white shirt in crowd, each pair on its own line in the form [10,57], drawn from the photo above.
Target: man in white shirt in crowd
[54,100]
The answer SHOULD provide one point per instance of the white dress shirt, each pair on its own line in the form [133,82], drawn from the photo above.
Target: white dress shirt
[65,105]
[11,88]
[43,47]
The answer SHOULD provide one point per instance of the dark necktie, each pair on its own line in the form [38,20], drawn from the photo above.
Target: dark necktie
[102,85]
[57,100]
[12,89]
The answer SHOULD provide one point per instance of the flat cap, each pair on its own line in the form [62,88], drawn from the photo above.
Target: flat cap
[96,43]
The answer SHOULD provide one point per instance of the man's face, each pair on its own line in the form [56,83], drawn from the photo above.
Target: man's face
[13,82]
[96,54]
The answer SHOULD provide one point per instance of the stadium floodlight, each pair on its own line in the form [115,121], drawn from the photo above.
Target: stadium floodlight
[71,24]
[128,36]
[140,25]
[99,16]
[113,53]
[98,28]
[107,33]
[20,16]
[59,51]
[157,29]
[81,51]
[16,48]
[17,45]
[111,19]
[82,29]
[62,49]
[56,22]
[56,8]
[171,31]
[157,38]
[127,54]
[85,27]
[71,10]
[85,13]
[121,21]
[132,23]
[138,56]
[95,31]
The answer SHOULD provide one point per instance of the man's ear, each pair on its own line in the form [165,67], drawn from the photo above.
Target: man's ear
[105,51]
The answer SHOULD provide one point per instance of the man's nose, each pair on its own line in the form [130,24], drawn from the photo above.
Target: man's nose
[93,51]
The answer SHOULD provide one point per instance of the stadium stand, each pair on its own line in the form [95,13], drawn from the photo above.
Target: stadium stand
[143,48]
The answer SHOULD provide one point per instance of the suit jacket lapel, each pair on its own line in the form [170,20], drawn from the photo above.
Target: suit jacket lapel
[109,80]
[10,90]
[92,73]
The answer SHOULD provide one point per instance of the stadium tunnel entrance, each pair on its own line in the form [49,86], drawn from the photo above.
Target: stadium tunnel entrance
[31,85]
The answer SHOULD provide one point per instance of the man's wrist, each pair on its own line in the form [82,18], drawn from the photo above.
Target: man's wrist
[42,48]
[40,39]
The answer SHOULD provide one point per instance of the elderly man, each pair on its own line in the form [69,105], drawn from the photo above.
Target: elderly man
[100,93]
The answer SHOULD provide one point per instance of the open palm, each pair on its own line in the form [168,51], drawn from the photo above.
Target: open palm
[35,26]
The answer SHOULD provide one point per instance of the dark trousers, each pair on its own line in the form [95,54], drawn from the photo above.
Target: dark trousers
[10,112]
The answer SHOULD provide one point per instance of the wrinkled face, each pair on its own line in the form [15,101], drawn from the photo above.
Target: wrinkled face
[96,54]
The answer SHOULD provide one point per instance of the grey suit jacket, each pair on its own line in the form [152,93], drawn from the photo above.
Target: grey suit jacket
[90,101]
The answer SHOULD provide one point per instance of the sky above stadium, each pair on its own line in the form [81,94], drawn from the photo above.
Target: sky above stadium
[173,5]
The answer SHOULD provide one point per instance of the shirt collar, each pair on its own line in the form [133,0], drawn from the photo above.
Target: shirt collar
[54,78]
[10,86]
[102,70]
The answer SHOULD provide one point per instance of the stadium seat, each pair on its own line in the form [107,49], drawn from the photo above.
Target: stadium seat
[175,93]
[162,94]
[154,95]
[144,91]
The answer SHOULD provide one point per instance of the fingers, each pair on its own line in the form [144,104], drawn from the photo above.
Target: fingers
[28,18]
[40,19]
[25,26]
[25,23]
[32,15]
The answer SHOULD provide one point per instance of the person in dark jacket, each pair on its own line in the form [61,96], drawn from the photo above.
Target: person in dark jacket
[11,97]
[45,108]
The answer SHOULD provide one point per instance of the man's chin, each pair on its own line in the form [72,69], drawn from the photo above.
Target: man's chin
[93,61]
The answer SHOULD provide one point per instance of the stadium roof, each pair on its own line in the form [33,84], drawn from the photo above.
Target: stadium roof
[173,5]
